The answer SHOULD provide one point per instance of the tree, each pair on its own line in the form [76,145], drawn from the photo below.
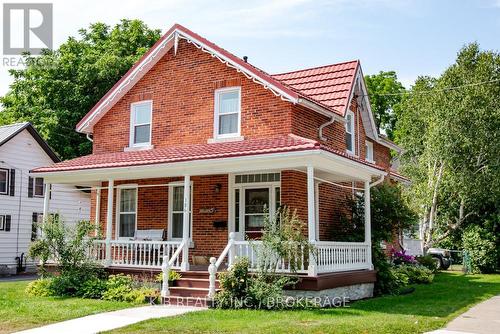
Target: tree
[55,90]
[450,129]
[385,92]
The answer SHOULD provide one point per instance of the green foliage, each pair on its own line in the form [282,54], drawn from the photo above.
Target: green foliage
[283,237]
[93,288]
[266,291]
[427,261]
[40,288]
[385,91]
[390,212]
[480,244]
[172,276]
[234,284]
[415,274]
[58,88]
[451,141]
[386,281]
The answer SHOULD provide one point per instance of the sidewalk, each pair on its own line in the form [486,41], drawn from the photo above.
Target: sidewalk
[483,318]
[110,320]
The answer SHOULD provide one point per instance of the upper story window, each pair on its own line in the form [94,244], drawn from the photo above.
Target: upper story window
[349,132]
[369,152]
[140,123]
[38,187]
[227,112]
[4,181]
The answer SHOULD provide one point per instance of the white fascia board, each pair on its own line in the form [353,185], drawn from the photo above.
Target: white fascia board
[318,158]
[321,110]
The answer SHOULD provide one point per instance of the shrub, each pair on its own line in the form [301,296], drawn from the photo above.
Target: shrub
[40,288]
[233,284]
[117,287]
[141,295]
[480,245]
[93,288]
[266,291]
[172,276]
[387,282]
[415,274]
[427,261]
[400,257]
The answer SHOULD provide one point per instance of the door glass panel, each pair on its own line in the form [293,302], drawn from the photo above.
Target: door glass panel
[256,203]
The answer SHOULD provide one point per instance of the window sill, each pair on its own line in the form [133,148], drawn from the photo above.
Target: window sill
[226,139]
[370,161]
[138,148]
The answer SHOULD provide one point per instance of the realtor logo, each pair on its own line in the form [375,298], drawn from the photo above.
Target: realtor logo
[27,27]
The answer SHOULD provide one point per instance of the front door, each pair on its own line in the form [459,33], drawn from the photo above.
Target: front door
[252,201]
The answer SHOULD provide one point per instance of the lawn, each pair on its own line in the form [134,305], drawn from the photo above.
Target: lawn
[19,311]
[429,307]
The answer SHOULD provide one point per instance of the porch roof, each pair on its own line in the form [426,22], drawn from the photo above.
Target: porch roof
[184,153]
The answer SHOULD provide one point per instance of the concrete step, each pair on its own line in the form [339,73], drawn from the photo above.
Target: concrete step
[188,292]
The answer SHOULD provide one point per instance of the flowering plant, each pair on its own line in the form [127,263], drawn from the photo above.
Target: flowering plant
[400,257]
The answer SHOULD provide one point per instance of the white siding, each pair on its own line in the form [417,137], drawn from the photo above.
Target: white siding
[23,153]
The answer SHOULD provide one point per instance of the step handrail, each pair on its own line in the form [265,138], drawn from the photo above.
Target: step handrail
[165,268]
[215,264]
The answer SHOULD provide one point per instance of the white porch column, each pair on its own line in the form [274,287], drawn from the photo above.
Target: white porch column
[97,210]
[185,223]
[368,227]
[311,218]
[46,201]
[109,221]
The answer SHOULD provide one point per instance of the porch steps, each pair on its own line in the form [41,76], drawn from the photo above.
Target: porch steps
[190,290]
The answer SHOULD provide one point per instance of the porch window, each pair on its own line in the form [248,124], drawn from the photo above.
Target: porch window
[140,123]
[4,181]
[176,210]
[227,112]
[128,212]
[349,132]
[369,151]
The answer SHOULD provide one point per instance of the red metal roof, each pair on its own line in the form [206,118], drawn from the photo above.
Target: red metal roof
[328,85]
[278,144]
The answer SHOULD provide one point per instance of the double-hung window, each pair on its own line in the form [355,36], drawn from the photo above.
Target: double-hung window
[349,132]
[38,187]
[140,123]
[176,211]
[369,152]
[127,215]
[4,181]
[227,112]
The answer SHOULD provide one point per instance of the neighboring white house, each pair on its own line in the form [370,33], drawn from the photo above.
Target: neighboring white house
[22,196]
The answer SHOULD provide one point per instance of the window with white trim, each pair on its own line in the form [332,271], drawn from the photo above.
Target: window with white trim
[127,212]
[176,211]
[227,112]
[369,151]
[38,187]
[2,222]
[349,132]
[140,123]
[4,181]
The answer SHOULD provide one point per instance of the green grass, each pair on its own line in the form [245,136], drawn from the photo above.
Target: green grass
[429,307]
[19,311]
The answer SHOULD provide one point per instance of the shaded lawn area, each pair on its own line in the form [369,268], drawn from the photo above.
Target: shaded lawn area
[19,311]
[429,307]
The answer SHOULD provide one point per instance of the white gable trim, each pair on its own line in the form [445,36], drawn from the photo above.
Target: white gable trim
[152,58]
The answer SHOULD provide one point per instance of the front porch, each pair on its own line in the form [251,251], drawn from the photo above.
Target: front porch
[210,212]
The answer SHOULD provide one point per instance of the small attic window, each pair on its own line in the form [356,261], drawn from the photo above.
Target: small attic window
[140,123]
[227,112]
[349,132]
[369,152]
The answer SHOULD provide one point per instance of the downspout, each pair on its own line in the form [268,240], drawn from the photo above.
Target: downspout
[377,182]
[322,126]
[90,139]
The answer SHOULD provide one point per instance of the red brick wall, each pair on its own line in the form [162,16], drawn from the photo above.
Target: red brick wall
[182,89]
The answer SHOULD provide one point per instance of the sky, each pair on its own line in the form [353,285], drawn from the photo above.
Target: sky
[411,37]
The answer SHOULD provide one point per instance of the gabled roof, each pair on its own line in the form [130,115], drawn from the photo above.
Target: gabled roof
[7,132]
[328,85]
[182,153]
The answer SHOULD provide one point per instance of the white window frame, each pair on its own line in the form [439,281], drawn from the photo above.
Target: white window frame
[7,180]
[119,189]
[369,149]
[217,94]
[172,185]
[352,132]
[2,222]
[133,125]
[34,187]
[251,185]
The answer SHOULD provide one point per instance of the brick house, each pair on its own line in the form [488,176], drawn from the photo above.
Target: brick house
[194,144]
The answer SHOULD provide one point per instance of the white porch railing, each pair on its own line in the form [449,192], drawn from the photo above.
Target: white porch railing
[334,256]
[134,253]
